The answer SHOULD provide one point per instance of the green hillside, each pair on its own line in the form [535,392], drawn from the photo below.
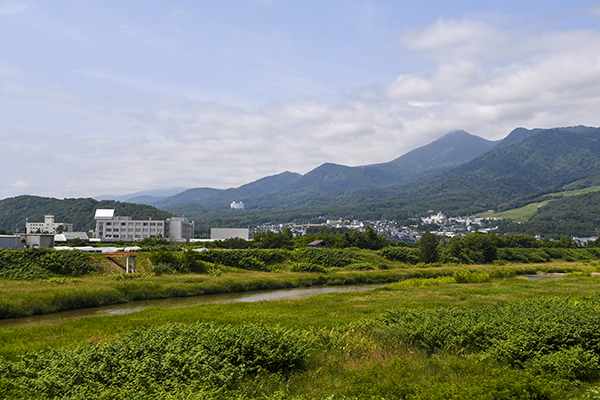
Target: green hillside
[79,212]
[526,212]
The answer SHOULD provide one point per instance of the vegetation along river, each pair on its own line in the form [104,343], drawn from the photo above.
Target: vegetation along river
[223,298]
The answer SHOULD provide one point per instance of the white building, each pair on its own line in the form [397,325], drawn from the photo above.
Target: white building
[179,229]
[48,226]
[111,227]
[238,205]
[435,219]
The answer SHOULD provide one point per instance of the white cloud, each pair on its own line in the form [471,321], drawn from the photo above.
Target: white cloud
[15,7]
[479,77]
[8,71]
[20,184]
[451,39]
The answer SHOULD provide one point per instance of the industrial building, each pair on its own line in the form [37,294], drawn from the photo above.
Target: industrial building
[110,227]
[48,226]
[229,233]
[26,241]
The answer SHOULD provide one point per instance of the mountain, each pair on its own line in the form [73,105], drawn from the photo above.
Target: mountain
[516,136]
[451,149]
[219,198]
[189,196]
[335,181]
[524,166]
[143,197]
[80,212]
[269,184]
[544,161]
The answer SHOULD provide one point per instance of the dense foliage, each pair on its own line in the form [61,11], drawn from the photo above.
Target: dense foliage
[253,259]
[556,336]
[403,254]
[486,248]
[170,262]
[43,263]
[157,359]
[329,258]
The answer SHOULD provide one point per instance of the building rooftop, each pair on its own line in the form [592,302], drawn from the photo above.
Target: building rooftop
[104,213]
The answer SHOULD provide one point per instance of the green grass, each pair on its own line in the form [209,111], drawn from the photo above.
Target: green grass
[525,213]
[350,356]
[26,298]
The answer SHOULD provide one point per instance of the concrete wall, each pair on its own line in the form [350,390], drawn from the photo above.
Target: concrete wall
[228,233]
[10,242]
[180,229]
[35,240]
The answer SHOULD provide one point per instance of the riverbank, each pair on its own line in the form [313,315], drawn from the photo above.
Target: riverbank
[26,298]
[357,347]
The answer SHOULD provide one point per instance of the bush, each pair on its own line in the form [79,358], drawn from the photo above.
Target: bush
[233,258]
[402,254]
[159,359]
[556,336]
[330,258]
[462,276]
[42,263]
[306,267]
[252,263]
[569,363]
[164,269]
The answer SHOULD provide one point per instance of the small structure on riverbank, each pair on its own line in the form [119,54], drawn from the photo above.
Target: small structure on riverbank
[126,254]
[319,244]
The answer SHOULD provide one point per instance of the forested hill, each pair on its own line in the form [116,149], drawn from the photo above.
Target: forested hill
[79,212]
[333,180]
[543,162]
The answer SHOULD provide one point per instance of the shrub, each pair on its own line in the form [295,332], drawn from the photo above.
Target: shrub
[42,263]
[557,336]
[402,254]
[462,276]
[233,258]
[159,359]
[330,258]
[306,267]
[164,269]
[569,363]
[359,267]
[252,263]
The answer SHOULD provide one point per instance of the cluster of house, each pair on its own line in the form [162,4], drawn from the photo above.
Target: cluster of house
[109,228]
[445,226]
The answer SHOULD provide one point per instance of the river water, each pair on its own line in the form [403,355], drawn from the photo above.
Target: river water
[224,298]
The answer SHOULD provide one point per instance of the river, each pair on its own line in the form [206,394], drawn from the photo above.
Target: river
[223,298]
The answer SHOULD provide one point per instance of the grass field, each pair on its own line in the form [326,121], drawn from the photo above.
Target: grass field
[525,213]
[332,346]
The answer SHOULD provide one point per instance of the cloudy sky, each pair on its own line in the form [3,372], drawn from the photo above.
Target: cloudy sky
[113,97]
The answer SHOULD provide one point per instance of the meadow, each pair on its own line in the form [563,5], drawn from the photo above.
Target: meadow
[434,331]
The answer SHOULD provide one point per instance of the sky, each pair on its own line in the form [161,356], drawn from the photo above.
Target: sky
[115,97]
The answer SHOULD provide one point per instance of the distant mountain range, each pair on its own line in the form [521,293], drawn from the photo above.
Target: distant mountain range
[457,174]
[292,189]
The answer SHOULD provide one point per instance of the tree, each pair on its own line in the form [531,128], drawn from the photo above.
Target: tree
[77,242]
[60,229]
[428,246]
[272,240]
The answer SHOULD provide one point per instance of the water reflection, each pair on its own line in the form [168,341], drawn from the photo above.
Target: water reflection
[224,298]
[534,277]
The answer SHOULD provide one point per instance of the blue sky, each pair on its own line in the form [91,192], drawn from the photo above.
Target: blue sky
[114,97]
